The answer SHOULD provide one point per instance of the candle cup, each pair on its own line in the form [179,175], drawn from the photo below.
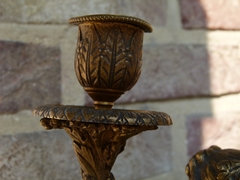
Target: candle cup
[108,56]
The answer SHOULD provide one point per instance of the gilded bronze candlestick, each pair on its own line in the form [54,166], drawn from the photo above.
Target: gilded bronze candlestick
[107,63]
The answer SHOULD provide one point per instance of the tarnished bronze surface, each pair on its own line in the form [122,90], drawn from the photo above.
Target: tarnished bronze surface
[214,163]
[99,135]
[108,56]
[96,145]
[112,18]
[104,116]
[108,62]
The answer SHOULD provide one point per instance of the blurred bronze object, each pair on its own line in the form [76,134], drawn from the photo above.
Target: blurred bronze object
[214,163]
[107,63]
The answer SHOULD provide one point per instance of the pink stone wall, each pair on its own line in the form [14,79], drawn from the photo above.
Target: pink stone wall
[205,130]
[191,70]
[210,14]
[30,76]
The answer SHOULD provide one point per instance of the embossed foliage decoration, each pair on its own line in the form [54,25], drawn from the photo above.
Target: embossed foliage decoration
[214,163]
[109,55]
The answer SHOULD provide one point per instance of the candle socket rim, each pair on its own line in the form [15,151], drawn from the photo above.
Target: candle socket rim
[112,18]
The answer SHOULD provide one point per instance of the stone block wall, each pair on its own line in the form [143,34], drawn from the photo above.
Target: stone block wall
[191,70]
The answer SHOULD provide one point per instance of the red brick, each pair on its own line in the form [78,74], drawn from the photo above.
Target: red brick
[212,14]
[145,155]
[38,156]
[177,71]
[50,155]
[206,130]
[29,76]
[58,157]
[153,11]
[19,159]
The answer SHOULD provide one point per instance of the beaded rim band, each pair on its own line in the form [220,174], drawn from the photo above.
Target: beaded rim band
[112,18]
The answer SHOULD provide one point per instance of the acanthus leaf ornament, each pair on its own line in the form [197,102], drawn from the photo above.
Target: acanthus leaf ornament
[108,62]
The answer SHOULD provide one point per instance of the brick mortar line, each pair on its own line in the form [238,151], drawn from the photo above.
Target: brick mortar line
[21,122]
[210,98]
[165,35]
[182,36]
[190,99]
[39,34]
[173,15]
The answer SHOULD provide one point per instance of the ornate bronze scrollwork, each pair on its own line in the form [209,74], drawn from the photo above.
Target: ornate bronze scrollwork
[96,145]
[108,56]
[107,63]
[214,163]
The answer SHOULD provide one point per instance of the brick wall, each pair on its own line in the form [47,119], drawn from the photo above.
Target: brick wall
[190,70]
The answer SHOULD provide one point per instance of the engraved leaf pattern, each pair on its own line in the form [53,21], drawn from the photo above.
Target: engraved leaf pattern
[82,63]
[83,114]
[228,169]
[101,61]
[97,146]
[108,56]
[118,47]
[136,44]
